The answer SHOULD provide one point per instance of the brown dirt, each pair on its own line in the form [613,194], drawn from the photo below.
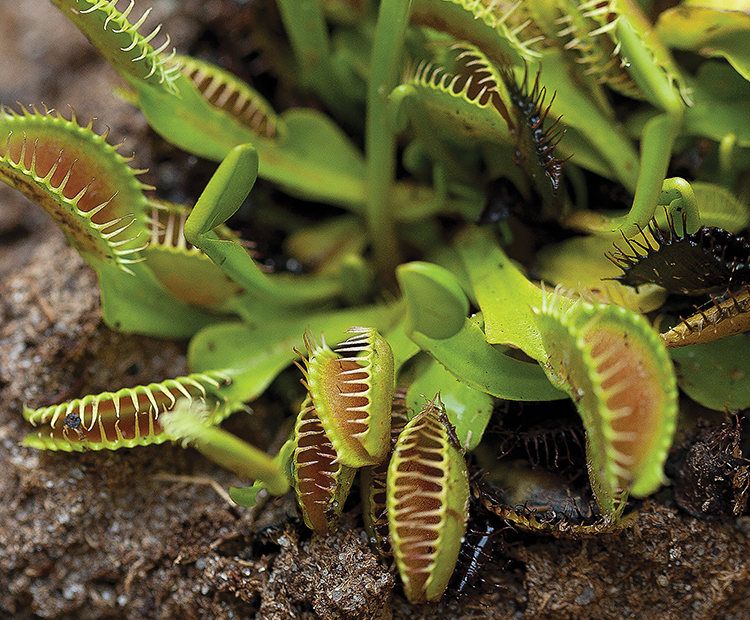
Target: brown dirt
[147,534]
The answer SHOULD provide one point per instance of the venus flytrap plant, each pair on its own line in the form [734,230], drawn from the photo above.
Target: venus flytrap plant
[223,195]
[446,96]
[648,62]
[532,328]
[654,72]
[717,321]
[95,197]
[177,110]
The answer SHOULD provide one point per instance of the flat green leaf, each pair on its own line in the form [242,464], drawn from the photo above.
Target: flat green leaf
[436,302]
[484,367]
[697,27]
[504,294]
[139,304]
[715,374]
[403,347]
[469,410]
[253,353]
[317,161]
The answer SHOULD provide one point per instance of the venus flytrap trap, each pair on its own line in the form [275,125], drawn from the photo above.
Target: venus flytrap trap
[351,390]
[345,421]
[95,197]
[126,418]
[428,503]
[617,371]
[447,97]
[321,481]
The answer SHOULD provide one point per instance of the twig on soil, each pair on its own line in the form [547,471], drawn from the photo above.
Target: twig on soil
[162,475]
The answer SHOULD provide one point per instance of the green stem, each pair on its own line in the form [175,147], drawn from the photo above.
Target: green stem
[307,30]
[189,424]
[656,146]
[380,137]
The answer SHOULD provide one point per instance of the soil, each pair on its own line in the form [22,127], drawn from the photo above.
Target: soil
[150,533]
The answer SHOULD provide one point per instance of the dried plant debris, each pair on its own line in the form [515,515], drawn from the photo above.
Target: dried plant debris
[723,316]
[713,478]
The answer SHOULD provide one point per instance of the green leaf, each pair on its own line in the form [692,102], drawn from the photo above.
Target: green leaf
[317,161]
[311,157]
[225,192]
[504,294]
[247,496]
[469,410]
[715,374]
[484,367]
[140,304]
[711,32]
[436,302]
[254,352]
[227,189]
